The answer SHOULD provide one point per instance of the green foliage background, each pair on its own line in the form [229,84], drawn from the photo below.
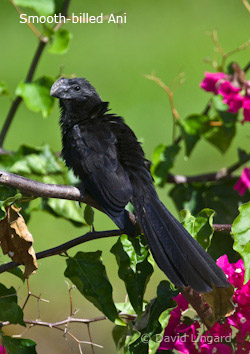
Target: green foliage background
[165,36]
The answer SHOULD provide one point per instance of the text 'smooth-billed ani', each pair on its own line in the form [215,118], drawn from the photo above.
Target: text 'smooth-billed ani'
[105,154]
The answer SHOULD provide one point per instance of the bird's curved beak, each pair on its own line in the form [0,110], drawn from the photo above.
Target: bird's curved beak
[59,88]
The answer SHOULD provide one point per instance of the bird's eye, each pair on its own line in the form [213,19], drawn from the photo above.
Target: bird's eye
[77,88]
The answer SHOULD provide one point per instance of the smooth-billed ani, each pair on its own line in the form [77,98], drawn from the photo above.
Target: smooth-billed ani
[105,154]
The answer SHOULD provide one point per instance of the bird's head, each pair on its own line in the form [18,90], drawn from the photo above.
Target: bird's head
[76,89]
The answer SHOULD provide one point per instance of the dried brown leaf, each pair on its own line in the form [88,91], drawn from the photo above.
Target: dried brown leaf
[211,306]
[17,241]
[220,301]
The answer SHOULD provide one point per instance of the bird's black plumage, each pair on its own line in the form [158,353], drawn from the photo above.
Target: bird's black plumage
[105,154]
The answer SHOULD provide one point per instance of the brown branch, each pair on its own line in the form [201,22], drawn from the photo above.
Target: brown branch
[224,173]
[196,300]
[33,188]
[60,323]
[89,236]
[38,189]
[66,246]
[222,227]
[29,77]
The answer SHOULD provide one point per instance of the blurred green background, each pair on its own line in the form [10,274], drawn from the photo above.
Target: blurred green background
[164,36]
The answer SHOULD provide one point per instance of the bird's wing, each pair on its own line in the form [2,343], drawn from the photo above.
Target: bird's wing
[99,168]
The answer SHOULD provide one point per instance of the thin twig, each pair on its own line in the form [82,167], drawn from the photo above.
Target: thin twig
[28,296]
[247,67]
[159,82]
[247,5]
[225,54]
[66,246]
[57,325]
[208,107]
[90,338]
[217,44]
[30,24]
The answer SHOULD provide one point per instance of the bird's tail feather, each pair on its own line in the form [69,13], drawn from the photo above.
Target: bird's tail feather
[175,251]
[123,221]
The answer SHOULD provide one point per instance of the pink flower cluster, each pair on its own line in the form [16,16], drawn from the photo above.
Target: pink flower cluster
[2,350]
[220,84]
[244,182]
[230,336]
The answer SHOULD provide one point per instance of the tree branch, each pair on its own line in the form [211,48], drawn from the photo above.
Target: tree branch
[33,188]
[224,173]
[66,246]
[15,104]
[59,323]
[222,227]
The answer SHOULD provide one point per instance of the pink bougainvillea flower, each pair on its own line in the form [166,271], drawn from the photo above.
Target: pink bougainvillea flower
[182,303]
[226,89]
[244,182]
[211,80]
[231,96]
[241,320]
[170,334]
[215,348]
[243,345]
[221,330]
[178,335]
[235,103]
[213,341]
[246,109]
[235,271]
[2,350]
[182,338]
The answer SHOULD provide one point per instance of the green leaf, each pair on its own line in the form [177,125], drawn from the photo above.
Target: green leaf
[222,243]
[163,161]
[36,95]
[243,156]
[60,4]
[19,345]
[119,334]
[195,124]
[221,137]
[66,209]
[3,89]
[31,160]
[153,322]
[134,267]
[17,272]
[219,196]
[88,273]
[9,310]
[200,227]
[42,7]
[218,103]
[6,192]
[89,215]
[192,128]
[60,41]
[241,235]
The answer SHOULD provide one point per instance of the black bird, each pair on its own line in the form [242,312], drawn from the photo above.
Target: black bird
[106,155]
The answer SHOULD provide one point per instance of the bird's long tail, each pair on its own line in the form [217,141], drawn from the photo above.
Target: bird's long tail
[175,251]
